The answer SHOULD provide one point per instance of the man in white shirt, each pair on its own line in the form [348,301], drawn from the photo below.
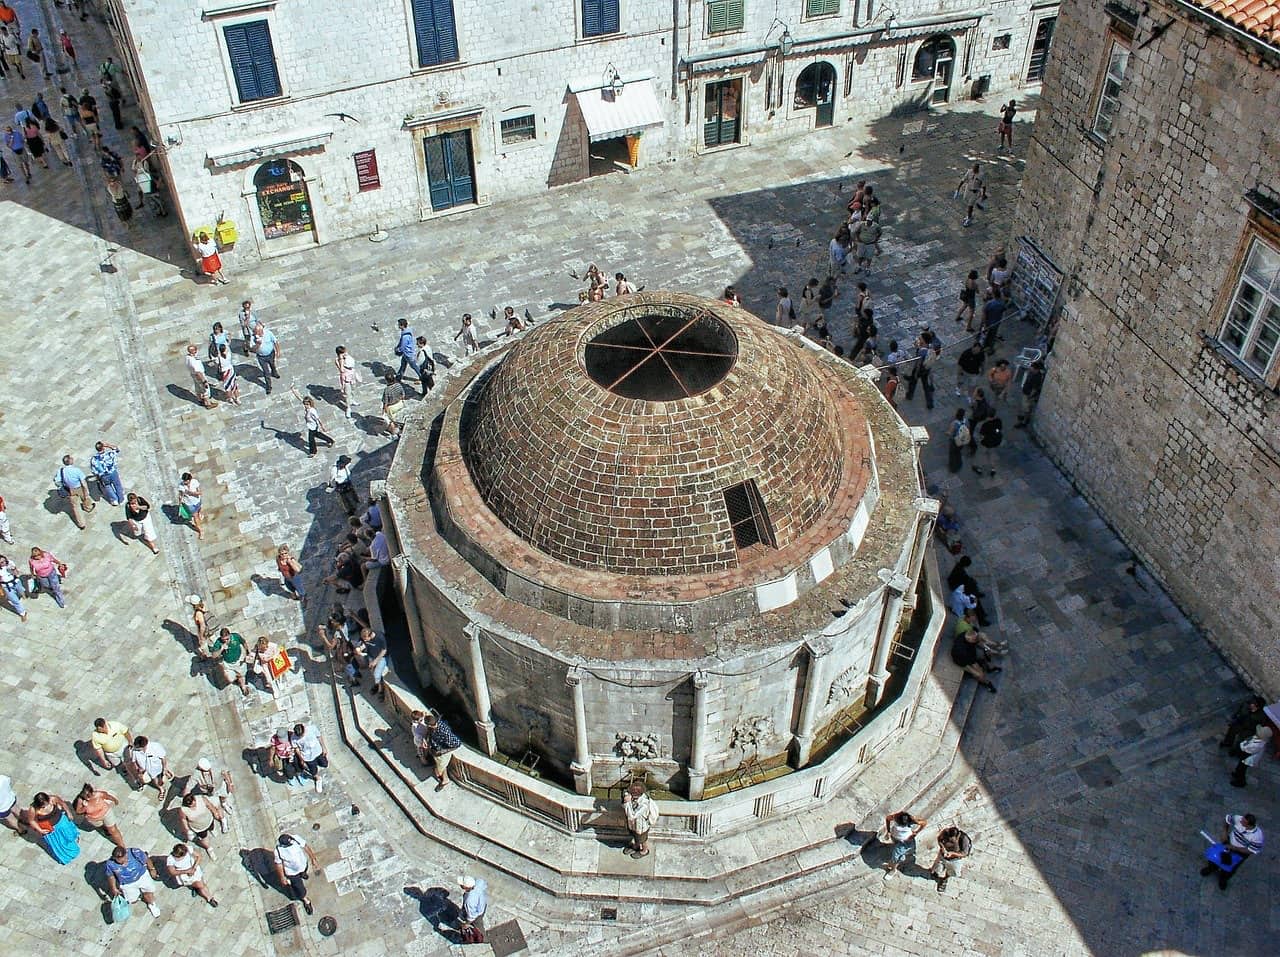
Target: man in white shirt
[149,764]
[199,381]
[309,745]
[1243,837]
[292,858]
[9,806]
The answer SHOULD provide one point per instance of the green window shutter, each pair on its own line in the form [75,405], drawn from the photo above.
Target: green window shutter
[734,16]
[724,16]
[819,8]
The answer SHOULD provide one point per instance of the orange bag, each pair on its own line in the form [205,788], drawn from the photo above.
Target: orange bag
[280,663]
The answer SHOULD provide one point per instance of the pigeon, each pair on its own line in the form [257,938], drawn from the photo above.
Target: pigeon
[771,244]
[493,313]
[901,147]
[574,274]
[528,315]
[640,288]
[374,327]
[797,244]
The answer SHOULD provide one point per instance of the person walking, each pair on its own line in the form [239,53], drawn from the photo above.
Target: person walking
[1244,723]
[958,437]
[11,584]
[50,817]
[901,829]
[999,379]
[263,663]
[622,286]
[392,404]
[990,438]
[137,511]
[314,427]
[70,110]
[954,845]
[191,503]
[969,367]
[267,350]
[104,463]
[838,252]
[228,377]
[248,320]
[283,759]
[312,753]
[35,52]
[293,858]
[10,816]
[1242,838]
[968,300]
[97,809]
[57,138]
[183,865]
[198,817]
[48,572]
[1251,752]
[1005,127]
[641,812]
[972,191]
[199,380]
[1032,383]
[467,333]
[340,481]
[199,621]
[290,570]
[73,486]
[110,742]
[35,140]
[68,48]
[206,251]
[406,350]
[6,533]
[348,377]
[132,875]
[115,100]
[228,651]
[10,42]
[441,743]
[213,784]
[475,902]
[148,763]
[867,235]
[427,363]
[89,119]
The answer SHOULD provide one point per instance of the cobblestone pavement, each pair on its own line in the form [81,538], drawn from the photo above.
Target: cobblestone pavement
[1088,776]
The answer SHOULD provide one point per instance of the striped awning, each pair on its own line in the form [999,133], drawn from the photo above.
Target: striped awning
[631,111]
[293,141]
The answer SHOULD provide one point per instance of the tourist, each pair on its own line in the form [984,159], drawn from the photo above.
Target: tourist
[1242,839]
[207,256]
[1251,752]
[228,377]
[110,742]
[392,404]
[968,300]
[131,875]
[475,901]
[808,300]
[73,486]
[183,865]
[137,510]
[229,653]
[6,533]
[998,275]
[17,144]
[827,294]
[199,621]
[11,584]
[104,463]
[68,48]
[217,339]
[314,427]
[50,817]
[191,503]
[199,380]
[641,812]
[35,141]
[198,816]
[48,572]
[269,663]
[993,308]
[248,320]
[1032,383]
[466,332]
[969,367]
[999,378]
[340,481]
[990,438]
[148,763]
[266,349]
[379,552]
[405,350]
[868,237]
[88,107]
[862,305]
[290,570]
[514,323]
[890,386]
[10,816]
[1244,723]
[969,656]
[784,314]
[960,578]
[70,110]
[347,376]
[309,745]
[292,860]
[838,252]
[213,784]
[979,411]
[864,331]
[10,43]
[97,809]
[119,197]
[954,845]
[917,371]
[958,437]
[421,736]
[422,355]
[622,286]
[282,758]
[1005,127]
[372,649]
[596,283]
[901,829]
[372,517]
[441,743]
[115,100]
[35,52]
[971,191]
[730,297]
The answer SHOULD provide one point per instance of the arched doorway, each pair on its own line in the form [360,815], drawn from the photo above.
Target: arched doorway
[935,60]
[284,205]
[816,89]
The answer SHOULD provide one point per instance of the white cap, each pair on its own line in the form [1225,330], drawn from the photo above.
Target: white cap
[194,600]
[466,882]
[204,764]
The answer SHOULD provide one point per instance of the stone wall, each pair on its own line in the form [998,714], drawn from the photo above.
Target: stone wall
[358,59]
[1171,438]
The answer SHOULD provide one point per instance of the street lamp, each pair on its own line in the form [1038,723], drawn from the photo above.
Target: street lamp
[785,42]
[612,81]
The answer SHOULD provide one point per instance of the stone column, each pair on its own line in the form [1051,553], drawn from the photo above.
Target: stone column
[581,765]
[927,509]
[814,685]
[698,748]
[896,585]
[480,693]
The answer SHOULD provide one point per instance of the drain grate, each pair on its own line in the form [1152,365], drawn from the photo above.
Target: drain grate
[286,918]
[505,939]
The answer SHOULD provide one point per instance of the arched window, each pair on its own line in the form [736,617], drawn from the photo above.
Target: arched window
[283,201]
[931,51]
[815,84]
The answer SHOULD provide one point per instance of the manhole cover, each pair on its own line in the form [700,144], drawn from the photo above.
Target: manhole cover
[505,939]
[328,926]
[286,918]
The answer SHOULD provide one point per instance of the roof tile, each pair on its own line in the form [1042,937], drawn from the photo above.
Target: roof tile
[1261,18]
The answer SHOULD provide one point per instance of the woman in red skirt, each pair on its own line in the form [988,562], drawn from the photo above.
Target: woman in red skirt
[210,261]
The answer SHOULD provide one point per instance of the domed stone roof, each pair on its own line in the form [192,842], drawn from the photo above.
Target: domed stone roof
[659,434]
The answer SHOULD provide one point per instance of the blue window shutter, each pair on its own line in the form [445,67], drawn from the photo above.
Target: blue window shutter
[609,20]
[446,32]
[591,18]
[252,60]
[435,32]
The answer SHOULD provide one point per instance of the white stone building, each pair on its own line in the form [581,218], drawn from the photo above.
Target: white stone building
[309,122]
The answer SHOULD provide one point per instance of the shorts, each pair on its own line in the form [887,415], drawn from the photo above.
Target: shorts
[143,885]
[195,877]
[9,810]
[144,528]
[944,867]
[441,761]
[201,385]
[114,758]
[866,250]
[380,670]
[313,767]
[230,672]
[902,850]
[108,819]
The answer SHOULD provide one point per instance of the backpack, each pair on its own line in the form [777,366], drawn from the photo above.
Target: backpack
[869,232]
[993,433]
[963,436]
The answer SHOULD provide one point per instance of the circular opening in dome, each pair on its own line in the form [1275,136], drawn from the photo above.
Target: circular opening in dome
[662,357]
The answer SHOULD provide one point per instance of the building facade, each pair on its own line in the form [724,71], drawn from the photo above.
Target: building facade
[309,122]
[1149,230]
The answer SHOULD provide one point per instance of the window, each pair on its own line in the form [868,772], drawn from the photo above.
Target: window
[599,17]
[434,32]
[821,8]
[1112,82]
[518,129]
[747,516]
[1251,331]
[720,104]
[933,51]
[252,60]
[1002,42]
[724,16]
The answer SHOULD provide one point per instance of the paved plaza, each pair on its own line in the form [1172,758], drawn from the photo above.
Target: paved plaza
[1085,781]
